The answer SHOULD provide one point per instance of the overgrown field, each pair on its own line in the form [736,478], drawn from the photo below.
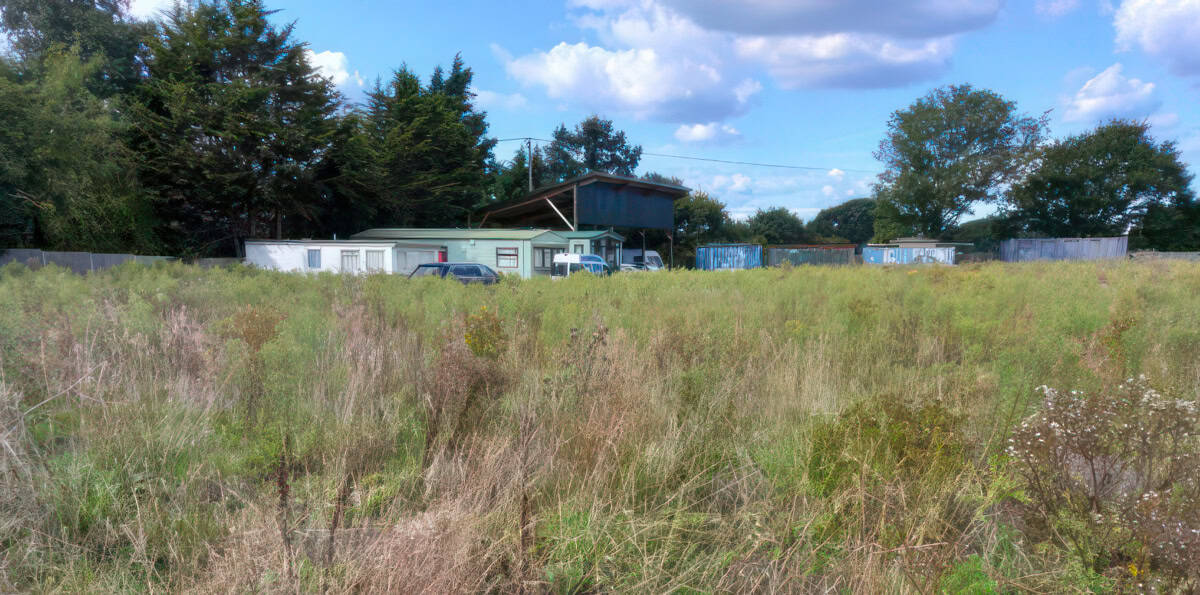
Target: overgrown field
[853,429]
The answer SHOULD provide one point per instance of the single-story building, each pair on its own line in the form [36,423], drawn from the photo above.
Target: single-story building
[340,256]
[525,252]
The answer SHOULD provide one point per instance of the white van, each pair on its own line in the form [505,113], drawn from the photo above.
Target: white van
[633,259]
[566,264]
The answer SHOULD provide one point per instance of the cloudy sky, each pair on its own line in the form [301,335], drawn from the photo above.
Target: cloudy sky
[807,83]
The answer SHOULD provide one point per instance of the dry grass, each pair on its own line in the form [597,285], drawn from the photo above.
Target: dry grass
[774,431]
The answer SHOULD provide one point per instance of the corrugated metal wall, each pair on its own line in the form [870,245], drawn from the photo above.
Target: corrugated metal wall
[714,257]
[897,255]
[777,255]
[79,262]
[1025,250]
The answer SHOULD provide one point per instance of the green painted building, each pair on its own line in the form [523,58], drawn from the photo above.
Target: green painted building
[604,243]
[525,252]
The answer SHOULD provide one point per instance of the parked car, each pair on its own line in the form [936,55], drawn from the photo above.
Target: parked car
[465,272]
[566,264]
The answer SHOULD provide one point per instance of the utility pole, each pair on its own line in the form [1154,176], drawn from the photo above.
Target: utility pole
[529,160]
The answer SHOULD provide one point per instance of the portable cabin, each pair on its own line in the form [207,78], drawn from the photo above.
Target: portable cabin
[340,256]
[524,252]
[724,257]
[605,243]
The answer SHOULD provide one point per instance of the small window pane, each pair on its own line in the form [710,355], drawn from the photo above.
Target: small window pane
[314,258]
[349,261]
[374,260]
[506,258]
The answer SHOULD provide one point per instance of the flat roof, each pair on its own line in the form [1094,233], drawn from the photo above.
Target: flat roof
[337,242]
[403,233]
[588,234]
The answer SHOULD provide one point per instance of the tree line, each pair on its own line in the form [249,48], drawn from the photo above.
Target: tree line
[187,135]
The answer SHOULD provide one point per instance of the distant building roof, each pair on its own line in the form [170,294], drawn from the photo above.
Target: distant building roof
[591,234]
[595,198]
[403,233]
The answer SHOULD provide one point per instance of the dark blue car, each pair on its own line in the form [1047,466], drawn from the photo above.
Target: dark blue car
[464,272]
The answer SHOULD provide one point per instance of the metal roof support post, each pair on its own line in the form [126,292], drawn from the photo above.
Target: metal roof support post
[575,206]
[560,215]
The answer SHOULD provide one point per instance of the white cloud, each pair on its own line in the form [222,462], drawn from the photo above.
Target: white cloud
[491,100]
[334,66]
[837,173]
[641,81]
[713,132]
[828,190]
[1055,8]
[1166,29]
[688,61]
[846,60]
[901,18]
[149,9]
[1111,94]
[736,183]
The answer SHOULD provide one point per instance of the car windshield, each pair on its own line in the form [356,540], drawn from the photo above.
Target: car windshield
[654,260]
[424,271]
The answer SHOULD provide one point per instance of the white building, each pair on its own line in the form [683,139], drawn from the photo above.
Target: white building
[340,256]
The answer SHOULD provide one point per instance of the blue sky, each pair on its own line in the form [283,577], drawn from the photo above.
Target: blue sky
[801,82]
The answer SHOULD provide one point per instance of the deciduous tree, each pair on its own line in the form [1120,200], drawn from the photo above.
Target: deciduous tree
[852,221]
[1101,182]
[949,150]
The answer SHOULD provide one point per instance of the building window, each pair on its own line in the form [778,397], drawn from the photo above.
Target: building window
[543,258]
[374,260]
[314,258]
[349,261]
[506,258]
[577,248]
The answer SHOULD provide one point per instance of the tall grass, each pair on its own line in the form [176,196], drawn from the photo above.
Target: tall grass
[180,429]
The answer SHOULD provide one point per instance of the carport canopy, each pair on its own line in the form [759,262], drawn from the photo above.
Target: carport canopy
[593,199]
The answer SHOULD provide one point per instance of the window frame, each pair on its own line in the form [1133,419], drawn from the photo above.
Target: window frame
[382,261]
[308,258]
[504,253]
[357,260]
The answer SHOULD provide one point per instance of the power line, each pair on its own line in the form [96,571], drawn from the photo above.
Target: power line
[726,161]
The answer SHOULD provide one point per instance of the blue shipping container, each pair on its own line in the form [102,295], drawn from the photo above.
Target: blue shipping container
[716,257]
[898,255]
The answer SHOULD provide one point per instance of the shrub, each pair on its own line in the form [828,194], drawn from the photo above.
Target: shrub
[1116,478]
[485,334]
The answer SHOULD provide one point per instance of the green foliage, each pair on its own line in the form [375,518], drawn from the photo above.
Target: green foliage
[852,221]
[485,334]
[946,152]
[1099,182]
[777,225]
[230,126]
[101,30]
[789,430]
[65,179]
[422,151]
[594,145]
